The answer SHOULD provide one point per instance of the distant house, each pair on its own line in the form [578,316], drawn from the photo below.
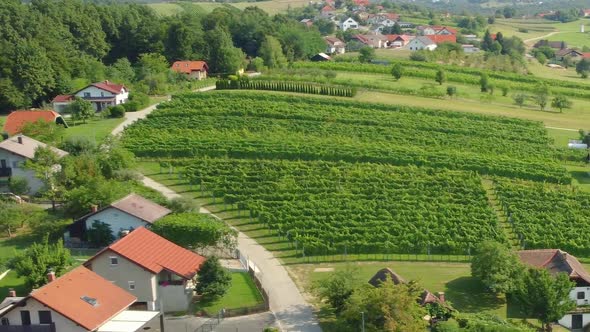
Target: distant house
[556,45]
[328,11]
[585,12]
[385,19]
[78,301]
[320,57]
[397,41]
[421,43]
[335,45]
[372,40]
[307,22]
[468,49]
[426,297]
[124,215]
[438,39]
[16,120]
[101,95]
[558,261]
[568,52]
[158,272]
[349,23]
[14,152]
[193,69]
[436,30]
[60,102]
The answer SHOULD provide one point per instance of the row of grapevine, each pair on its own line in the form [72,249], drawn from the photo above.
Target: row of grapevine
[326,207]
[239,125]
[286,87]
[547,215]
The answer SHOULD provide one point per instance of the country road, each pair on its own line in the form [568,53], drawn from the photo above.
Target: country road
[526,41]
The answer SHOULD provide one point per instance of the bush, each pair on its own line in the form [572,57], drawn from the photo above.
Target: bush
[183,204]
[100,234]
[140,99]
[117,111]
[451,91]
[131,106]
[213,279]
[78,145]
[18,185]
[504,91]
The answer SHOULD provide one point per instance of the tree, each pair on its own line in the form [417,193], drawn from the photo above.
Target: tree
[542,95]
[18,185]
[496,266]
[451,91]
[487,42]
[121,71]
[194,230]
[45,164]
[484,82]
[519,99]
[544,296]
[366,54]
[397,71]
[542,58]
[100,234]
[80,109]
[213,280]
[440,77]
[561,102]
[272,53]
[45,131]
[337,289]
[224,58]
[583,67]
[34,262]
[10,217]
[389,307]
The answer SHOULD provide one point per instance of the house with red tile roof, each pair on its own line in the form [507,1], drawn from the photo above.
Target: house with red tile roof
[328,11]
[438,39]
[193,69]
[14,152]
[100,94]
[397,41]
[78,301]
[334,45]
[128,213]
[557,261]
[158,272]
[16,120]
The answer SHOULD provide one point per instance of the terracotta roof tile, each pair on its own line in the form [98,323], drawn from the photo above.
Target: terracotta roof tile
[17,119]
[555,261]
[109,86]
[64,295]
[27,148]
[141,208]
[62,98]
[437,39]
[155,253]
[189,66]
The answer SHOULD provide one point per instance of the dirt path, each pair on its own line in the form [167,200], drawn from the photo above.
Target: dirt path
[526,41]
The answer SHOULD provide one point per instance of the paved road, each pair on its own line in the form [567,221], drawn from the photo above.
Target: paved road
[293,313]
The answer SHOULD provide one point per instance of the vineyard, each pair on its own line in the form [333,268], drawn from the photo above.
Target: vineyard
[314,89]
[547,216]
[335,176]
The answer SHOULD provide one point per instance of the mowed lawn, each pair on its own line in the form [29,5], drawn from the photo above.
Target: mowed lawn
[242,293]
[94,129]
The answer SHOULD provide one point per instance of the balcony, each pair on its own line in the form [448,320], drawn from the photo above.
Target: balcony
[28,328]
[5,172]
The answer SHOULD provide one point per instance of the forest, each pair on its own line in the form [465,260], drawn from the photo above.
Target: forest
[51,47]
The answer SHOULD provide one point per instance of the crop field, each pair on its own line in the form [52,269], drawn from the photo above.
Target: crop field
[547,216]
[272,7]
[331,176]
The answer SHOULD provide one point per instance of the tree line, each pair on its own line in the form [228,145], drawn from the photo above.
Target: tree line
[48,47]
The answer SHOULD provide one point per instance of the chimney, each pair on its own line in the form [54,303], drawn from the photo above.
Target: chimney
[11,292]
[94,208]
[20,139]
[441,296]
[50,276]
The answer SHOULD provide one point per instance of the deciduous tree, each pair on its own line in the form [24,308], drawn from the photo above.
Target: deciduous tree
[397,71]
[194,230]
[366,54]
[338,288]
[497,267]
[561,102]
[213,279]
[272,53]
[80,109]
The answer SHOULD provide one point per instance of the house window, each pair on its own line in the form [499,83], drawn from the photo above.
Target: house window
[4,321]
[25,317]
[15,164]
[102,94]
[86,94]
[581,295]
[44,317]
[131,285]
[114,260]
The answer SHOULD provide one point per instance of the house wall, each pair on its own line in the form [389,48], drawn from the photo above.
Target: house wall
[117,219]
[145,281]
[574,295]
[566,321]
[60,107]
[198,75]
[16,162]
[94,92]
[62,324]
[416,45]
[175,297]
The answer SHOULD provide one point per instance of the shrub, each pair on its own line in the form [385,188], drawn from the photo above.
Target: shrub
[100,234]
[451,91]
[18,185]
[141,100]
[78,145]
[504,91]
[213,279]
[117,111]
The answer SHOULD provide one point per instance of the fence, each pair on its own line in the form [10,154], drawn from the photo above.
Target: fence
[211,323]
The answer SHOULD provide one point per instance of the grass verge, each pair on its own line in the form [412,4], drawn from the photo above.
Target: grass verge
[242,293]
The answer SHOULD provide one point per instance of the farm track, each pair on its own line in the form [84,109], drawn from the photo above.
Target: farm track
[505,226]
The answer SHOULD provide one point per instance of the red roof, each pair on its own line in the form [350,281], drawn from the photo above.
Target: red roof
[109,86]
[327,8]
[440,28]
[555,261]
[141,208]
[17,119]
[437,39]
[65,296]
[392,38]
[188,67]
[586,55]
[155,253]
[62,98]
[361,2]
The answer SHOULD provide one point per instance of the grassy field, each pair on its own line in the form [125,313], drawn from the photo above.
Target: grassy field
[242,293]
[516,27]
[95,129]
[272,7]
[166,9]
[569,74]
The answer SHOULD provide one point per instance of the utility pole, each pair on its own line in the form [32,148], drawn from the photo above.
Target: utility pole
[363,321]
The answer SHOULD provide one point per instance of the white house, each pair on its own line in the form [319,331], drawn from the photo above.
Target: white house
[557,261]
[126,214]
[349,23]
[158,272]
[421,43]
[78,301]
[101,95]
[14,152]
[334,45]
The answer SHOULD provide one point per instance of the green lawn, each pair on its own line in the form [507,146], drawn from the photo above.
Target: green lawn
[165,9]
[562,137]
[581,175]
[12,281]
[561,74]
[95,129]
[242,293]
